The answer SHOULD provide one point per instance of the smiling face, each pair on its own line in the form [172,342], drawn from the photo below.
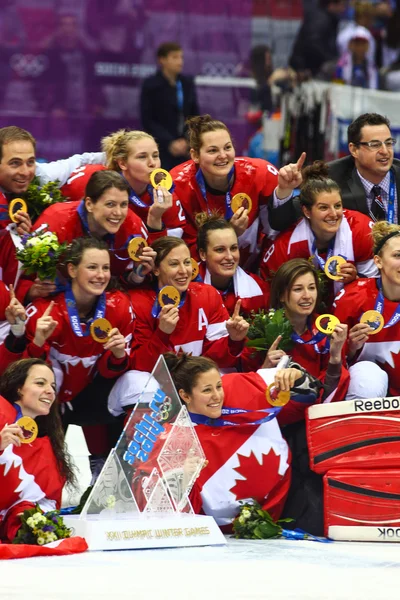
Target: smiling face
[91,277]
[217,154]
[222,254]
[388,264]
[373,164]
[38,392]
[207,396]
[143,158]
[175,269]
[325,215]
[17,166]
[301,299]
[109,212]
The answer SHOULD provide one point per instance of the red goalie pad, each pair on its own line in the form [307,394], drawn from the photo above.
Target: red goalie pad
[354,434]
[365,502]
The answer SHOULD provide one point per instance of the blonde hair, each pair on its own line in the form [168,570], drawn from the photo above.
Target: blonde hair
[382,231]
[116,145]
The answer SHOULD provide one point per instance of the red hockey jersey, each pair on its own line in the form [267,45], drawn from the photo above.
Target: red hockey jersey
[381,348]
[77,359]
[29,475]
[201,328]
[74,188]
[353,240]
[251,289]
[63,219]
[253,176]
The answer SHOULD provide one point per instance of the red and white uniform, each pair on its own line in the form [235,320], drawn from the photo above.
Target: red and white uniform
[201,328]
[173,219]
[74,188]
[29,475]
[246,461]
[75,359]
[253,176]
[10,269]
[248,287]
[381,348]
[316,364]
[64,220]
[353,240]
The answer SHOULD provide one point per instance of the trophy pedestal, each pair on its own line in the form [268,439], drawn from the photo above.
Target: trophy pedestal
[124,532]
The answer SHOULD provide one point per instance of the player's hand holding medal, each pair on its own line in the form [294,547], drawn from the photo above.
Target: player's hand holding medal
[168,298]
[338,269]
[103,332]
[162,183]
[143,257]
[241,206]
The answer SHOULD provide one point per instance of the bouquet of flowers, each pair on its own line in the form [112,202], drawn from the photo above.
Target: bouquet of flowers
[254,523]
[38,197]
[40,254]
[265,328]
[40,528]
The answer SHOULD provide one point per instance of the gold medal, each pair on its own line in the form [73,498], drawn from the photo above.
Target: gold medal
[16,205]
[169,295]
[241,200]
[161,178]
[29,429]
[100,330]
[374,319]
[135,248]
[195,268]
[332,267]
[276,397]
[326,323]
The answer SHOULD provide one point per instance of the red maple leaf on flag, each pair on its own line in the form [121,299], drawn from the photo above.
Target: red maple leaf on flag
[9,483]
[259,478]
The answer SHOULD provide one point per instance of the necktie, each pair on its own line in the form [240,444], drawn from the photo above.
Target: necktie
[377,212]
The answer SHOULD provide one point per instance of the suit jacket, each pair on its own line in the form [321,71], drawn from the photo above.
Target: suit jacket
[160,113]
[344,172]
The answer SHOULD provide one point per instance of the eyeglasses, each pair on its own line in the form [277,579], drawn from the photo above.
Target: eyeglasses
[377,144]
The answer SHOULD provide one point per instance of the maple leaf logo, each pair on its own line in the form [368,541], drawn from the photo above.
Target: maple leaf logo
[259,479]
[10,482]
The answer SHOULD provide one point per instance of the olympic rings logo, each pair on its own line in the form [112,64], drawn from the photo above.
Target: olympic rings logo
[164,410]
[218,69]
[29,65]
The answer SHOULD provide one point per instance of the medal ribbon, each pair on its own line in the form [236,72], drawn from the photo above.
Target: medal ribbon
[379,304]
[320,261]
[244,417]
[109,238]
[73,315]
[228,200]
[317,337]
[19,412]
[155,311]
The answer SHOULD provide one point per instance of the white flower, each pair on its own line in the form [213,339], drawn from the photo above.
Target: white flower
[246,514]
[110,502]
[46,198]
[33,241]
[30,522]
[242,521]
[40,541]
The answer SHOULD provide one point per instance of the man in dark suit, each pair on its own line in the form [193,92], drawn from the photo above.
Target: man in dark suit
[167,100]
[369,178]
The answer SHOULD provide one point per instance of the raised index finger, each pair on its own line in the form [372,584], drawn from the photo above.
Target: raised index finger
[275,345]
[12,293]
[48,309]
[301,161]
[236,311]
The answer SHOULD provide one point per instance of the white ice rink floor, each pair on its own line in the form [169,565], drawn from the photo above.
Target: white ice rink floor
[273,569]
